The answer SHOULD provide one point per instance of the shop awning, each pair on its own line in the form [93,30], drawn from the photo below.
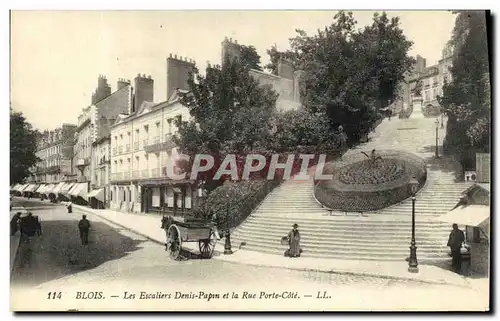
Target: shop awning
[61,188]
[49,189]
[31,188]
[79,190]
[38,186]
[472,215]
[14,187]
[22,188]
[66,188]
[98,194]
[58,188]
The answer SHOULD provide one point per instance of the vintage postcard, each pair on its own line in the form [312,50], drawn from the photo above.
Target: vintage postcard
[250,160]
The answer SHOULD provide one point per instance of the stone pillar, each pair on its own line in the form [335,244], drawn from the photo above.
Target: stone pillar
[417,107]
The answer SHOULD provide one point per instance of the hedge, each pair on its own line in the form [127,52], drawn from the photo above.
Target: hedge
[234,200]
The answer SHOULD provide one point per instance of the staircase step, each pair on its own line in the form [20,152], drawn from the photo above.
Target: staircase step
[340,253]
[337,240]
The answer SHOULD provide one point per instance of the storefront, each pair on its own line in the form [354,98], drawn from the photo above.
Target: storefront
[79,193]
[176,198]
[97,198]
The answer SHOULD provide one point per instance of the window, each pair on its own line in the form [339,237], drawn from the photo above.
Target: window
[169,125]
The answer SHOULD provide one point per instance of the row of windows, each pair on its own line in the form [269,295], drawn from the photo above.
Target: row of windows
[118,165]
[118,139]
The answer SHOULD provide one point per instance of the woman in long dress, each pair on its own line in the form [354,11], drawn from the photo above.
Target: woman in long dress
[294,242]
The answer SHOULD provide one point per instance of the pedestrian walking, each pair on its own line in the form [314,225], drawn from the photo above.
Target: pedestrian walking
[455,241]
[294,242]
[70,208]
[84,227]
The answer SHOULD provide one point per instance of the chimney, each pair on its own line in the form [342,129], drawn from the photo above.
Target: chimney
[144,91]
[285,69]
[230,49]
[122,83]
[178,73]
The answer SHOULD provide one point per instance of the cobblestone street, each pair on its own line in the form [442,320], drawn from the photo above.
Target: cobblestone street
[123,260]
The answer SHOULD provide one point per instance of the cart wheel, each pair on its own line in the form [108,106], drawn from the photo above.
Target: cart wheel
[207,246]
[174,242]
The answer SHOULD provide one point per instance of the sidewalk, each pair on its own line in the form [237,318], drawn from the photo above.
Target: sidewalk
[149,227]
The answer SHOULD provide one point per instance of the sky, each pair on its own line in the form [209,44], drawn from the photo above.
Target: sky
[57,56]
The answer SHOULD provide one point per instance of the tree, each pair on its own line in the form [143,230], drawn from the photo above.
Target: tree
[231,114]
[23,144]
[275,56]
[466,99]
[352,75]
[250,58]
[303,131]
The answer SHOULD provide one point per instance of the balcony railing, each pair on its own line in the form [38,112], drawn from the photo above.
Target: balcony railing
[145,143]
[127,148]
[53,169]
[82,179]
[120,150]
[126,175]
[136,174]
[145,173]
[155,172]
[159,146]
[136,146]
[114,150]
[116,176]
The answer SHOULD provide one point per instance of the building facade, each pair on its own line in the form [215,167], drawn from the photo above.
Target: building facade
[55,150]
[93,129]
[286,83]
[432,80]
[142,149]
[99,197]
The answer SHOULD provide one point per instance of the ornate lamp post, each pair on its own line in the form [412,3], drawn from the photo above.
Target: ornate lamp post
[437,128]
[412,262]
[227,245]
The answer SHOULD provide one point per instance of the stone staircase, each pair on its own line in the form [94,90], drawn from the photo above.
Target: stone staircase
[381,235]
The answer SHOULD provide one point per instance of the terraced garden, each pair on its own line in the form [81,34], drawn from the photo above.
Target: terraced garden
[360,184]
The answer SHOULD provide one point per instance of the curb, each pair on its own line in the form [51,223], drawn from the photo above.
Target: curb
[120,225]
[341,272]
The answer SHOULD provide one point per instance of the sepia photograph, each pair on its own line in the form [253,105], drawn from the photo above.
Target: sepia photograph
[250,161]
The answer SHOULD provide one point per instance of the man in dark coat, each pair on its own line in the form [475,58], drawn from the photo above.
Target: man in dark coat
[455,243]
[84,227]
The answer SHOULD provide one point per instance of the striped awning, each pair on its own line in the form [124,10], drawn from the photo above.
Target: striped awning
[66,188]
[49,189]
[81,189]
[31,188]
[58,188]
[41,188]
[23,187]
[98,194]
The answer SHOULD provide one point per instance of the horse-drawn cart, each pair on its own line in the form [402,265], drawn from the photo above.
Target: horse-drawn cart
[192,231]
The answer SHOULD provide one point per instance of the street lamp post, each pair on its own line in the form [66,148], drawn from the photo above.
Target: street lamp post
[442,120]
[413,262]
[437,128]
[227,245]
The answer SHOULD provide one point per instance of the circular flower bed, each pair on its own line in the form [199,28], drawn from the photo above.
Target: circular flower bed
[360,184]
